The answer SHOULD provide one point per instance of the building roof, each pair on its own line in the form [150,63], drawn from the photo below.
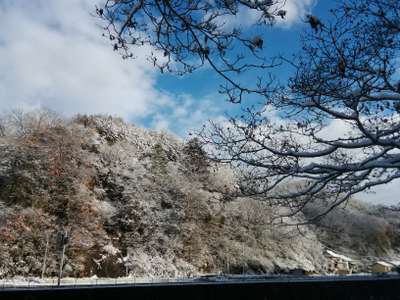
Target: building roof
[336,255]
[383,263]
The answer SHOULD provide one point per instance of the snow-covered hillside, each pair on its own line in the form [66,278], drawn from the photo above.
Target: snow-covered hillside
[140,202]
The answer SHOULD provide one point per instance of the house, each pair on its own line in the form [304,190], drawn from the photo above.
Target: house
[381,267]
[338,263]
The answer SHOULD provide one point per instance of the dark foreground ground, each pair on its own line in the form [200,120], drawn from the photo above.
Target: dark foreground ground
[263,288]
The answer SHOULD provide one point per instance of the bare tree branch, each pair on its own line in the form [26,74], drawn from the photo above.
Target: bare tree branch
[186,35]
[345,76]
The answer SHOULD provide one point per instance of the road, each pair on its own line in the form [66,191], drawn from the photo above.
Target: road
[231,287]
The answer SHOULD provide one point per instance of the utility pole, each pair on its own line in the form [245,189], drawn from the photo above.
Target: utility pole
[63,241]
[244,259]
[45,254]
[227,266]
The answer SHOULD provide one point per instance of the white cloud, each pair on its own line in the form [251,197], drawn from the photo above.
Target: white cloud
[388,194]
[186,114]
[52,55]
[295,12]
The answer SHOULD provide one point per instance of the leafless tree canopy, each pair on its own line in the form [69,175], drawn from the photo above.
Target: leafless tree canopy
[346,74]
[186,35]
[19,122]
